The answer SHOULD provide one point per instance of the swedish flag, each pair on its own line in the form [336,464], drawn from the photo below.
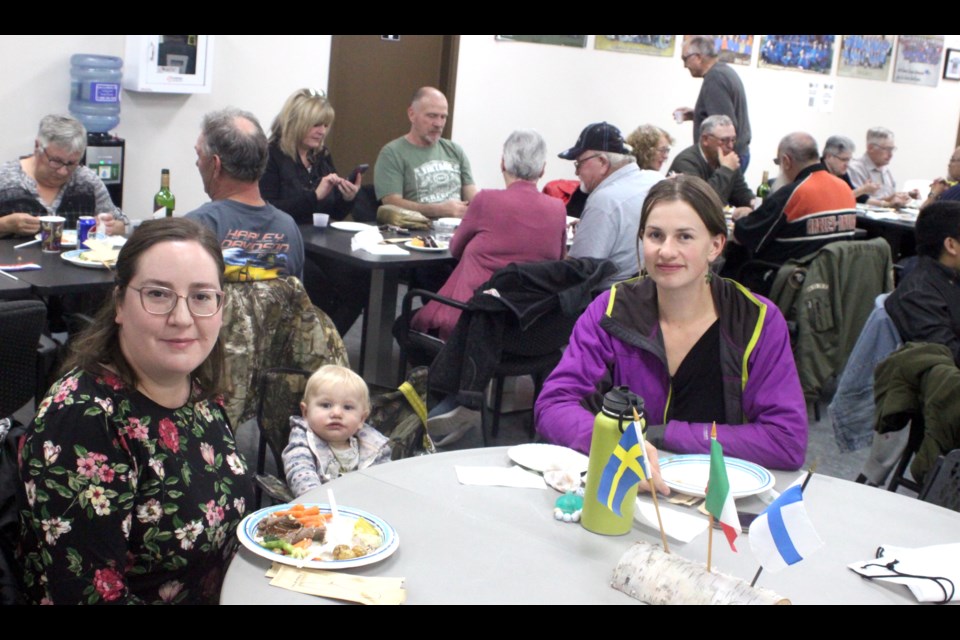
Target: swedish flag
[627,467]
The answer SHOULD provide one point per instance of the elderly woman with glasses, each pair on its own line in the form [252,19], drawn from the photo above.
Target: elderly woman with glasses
[300,178]
[651,146]
[52,182]
[132,483]
[515,224]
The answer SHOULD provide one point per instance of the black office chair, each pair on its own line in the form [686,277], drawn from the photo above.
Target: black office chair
[942,484]
[520,331]
[534,352]
[22,370]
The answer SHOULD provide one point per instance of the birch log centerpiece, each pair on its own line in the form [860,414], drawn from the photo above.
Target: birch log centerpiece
[648,574]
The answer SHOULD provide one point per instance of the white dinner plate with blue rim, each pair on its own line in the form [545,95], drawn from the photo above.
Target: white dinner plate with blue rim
[247,533]
[688,474]
[73,257]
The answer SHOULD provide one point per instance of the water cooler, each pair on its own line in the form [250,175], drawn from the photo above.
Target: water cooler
[95,101]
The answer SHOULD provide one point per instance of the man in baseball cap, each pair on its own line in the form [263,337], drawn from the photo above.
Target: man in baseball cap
[616,186]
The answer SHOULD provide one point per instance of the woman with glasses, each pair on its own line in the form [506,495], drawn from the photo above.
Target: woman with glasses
[300,178]
[51,182]
[651,146]
[133,485]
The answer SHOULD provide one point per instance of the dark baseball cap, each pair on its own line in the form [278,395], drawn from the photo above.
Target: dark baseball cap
[599,136]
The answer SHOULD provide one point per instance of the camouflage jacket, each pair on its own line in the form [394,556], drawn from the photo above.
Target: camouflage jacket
[272,323]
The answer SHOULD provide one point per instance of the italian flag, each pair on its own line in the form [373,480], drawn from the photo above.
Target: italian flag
[719,500]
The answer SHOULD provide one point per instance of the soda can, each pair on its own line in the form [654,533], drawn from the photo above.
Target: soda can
[84,226]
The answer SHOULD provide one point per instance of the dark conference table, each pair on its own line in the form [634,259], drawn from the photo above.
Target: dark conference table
[377,343]
[898,233]
[56,276]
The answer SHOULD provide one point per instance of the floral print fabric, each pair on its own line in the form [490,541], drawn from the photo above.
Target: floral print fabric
[128,501]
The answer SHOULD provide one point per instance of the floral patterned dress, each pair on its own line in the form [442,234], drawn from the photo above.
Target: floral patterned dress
[129,501]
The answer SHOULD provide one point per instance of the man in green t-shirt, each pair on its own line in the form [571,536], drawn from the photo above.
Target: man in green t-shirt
[422,171]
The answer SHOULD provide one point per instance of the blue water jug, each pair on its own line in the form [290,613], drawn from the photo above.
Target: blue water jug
[95,90]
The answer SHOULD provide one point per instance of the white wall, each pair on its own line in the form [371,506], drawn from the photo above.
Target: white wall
[256,73]
[503,86]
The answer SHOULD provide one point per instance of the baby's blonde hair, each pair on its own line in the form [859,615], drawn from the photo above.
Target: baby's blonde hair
[330,375]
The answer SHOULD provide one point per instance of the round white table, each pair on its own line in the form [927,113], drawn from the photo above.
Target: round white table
[496,545]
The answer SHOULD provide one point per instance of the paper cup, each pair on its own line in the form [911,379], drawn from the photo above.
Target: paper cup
[51,232]
[321,219]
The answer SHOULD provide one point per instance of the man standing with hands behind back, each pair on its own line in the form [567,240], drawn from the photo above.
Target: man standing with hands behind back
[421,170]
[722,93]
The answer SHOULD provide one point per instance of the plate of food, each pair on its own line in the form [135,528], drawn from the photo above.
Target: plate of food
[301,535]
[88,260]
[689,474]
[352,227]
[426,243]
[543,457]
[67,239]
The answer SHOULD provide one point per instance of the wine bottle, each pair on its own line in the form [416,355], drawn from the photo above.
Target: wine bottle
[764,189]
[165,198]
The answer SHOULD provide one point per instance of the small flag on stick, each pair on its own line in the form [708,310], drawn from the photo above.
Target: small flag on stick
[627,467]
[719,501]
[783,534]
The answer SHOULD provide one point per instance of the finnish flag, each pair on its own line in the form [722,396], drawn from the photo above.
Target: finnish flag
[783,534]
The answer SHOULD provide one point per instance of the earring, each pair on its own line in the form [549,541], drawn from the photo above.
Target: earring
[709,275]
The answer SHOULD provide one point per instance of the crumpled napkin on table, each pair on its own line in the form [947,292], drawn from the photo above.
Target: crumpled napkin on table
[370,240]
[932,573]
[682,527]
[500,477]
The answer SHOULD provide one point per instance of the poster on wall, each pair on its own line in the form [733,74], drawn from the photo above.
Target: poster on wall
[918,60]
[797,52]
[865,57]
[820,95]
[647,45]
[951,65]
[731,49]
[565,41]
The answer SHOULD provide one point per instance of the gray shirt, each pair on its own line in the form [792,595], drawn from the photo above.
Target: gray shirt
[611,218]
[83,194]
[259,243]
[862,170]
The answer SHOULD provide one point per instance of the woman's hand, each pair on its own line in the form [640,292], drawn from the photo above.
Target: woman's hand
[653,463]
[115,227]
[20,224]
[327,184]
[349,189]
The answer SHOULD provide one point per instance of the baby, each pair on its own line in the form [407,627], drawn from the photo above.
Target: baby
[331,438]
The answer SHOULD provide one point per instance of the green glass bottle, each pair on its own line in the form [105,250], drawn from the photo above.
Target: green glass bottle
[165,198]
[764,189]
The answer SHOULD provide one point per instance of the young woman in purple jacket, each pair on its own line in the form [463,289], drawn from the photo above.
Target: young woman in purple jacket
[697,348]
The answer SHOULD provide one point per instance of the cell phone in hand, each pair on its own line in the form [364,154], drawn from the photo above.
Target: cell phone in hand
[359,170]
